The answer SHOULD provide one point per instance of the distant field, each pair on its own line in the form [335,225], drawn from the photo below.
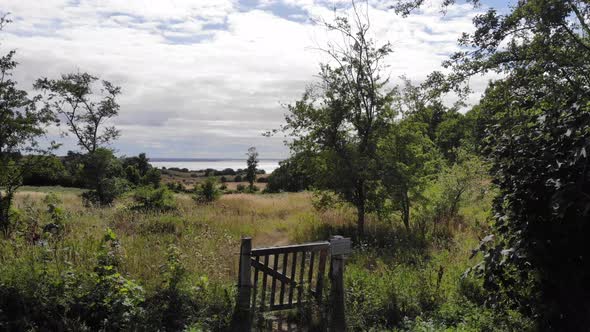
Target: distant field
[190,179]
[47,189]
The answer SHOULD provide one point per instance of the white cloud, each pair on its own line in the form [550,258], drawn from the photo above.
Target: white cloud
[191,90]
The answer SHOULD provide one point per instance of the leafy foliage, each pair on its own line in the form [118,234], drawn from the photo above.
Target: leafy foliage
[537,119]
[153,199]
[72,98]
[21,124]
[252,163]
[341,119]
[207,191]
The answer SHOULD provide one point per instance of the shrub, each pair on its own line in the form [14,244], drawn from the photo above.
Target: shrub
[238,178]
[133,175]
[240,188]
[323,200]
[106,193]
[207,191]
[114,302]
[152,177]
[153,199]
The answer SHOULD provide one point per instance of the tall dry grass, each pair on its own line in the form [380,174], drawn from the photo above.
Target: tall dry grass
[207,235]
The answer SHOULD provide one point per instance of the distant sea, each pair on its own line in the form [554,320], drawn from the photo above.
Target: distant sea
[195,164]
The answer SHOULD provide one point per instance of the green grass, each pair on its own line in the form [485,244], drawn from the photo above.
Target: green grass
[394,280]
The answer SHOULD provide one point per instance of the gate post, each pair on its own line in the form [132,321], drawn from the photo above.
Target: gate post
[242,318]
[339,247]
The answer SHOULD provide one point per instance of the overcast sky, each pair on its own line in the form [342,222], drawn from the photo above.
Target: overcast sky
[206,78]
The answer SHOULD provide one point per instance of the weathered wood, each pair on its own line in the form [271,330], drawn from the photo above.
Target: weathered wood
[340,245]
[274,280]
[264,280]
[245,282]
[301,274]
[293,269]
[337,319]
[283,306]
[310,275]
[242,319]
[321,272]
[283,284]
[255,286]
[272,273]
[286,273]
[315,246]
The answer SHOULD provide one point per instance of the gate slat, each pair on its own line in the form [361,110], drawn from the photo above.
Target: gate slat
[301,273]
[293,268]
[310,277]
[274,280]
[264,279]
[255,290]
[287,274]
[283,283]
[321,271]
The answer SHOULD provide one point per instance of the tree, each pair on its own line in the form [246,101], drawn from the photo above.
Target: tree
[538,138]
[341,119]
[21,125]
[252,163]
[407,160]
[293,174]
[86,115]
[104,173]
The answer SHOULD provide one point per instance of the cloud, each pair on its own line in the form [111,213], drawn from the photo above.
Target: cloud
[206,78]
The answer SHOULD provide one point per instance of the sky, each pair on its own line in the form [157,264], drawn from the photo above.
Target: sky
[205,78]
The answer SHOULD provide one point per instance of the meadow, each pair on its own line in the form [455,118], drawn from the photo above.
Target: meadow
[396,279]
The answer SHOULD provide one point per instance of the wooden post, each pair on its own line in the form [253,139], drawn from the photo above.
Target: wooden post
[243,319]
[339,247]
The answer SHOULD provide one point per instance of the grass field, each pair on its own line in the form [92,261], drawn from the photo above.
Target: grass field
[394,280]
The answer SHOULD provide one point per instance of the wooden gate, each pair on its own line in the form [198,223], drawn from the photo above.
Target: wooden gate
[278,278]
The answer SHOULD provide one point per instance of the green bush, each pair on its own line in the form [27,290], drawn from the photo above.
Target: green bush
[40,295]
[107,191]
[152,177]
[207,191]
[115,301]
[153,199]
[323,200]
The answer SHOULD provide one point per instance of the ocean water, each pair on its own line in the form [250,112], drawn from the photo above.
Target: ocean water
[268,165]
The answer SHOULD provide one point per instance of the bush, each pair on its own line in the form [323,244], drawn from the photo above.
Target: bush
[106,193]
[323,200]
[291,176]
[153,199]
[238,178]
[207,191]
[115,301]
[241,188]
[152,177]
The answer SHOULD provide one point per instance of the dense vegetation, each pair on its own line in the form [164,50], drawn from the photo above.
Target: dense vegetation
[462,219]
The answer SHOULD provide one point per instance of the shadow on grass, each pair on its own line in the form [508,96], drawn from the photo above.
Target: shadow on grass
[386,240]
